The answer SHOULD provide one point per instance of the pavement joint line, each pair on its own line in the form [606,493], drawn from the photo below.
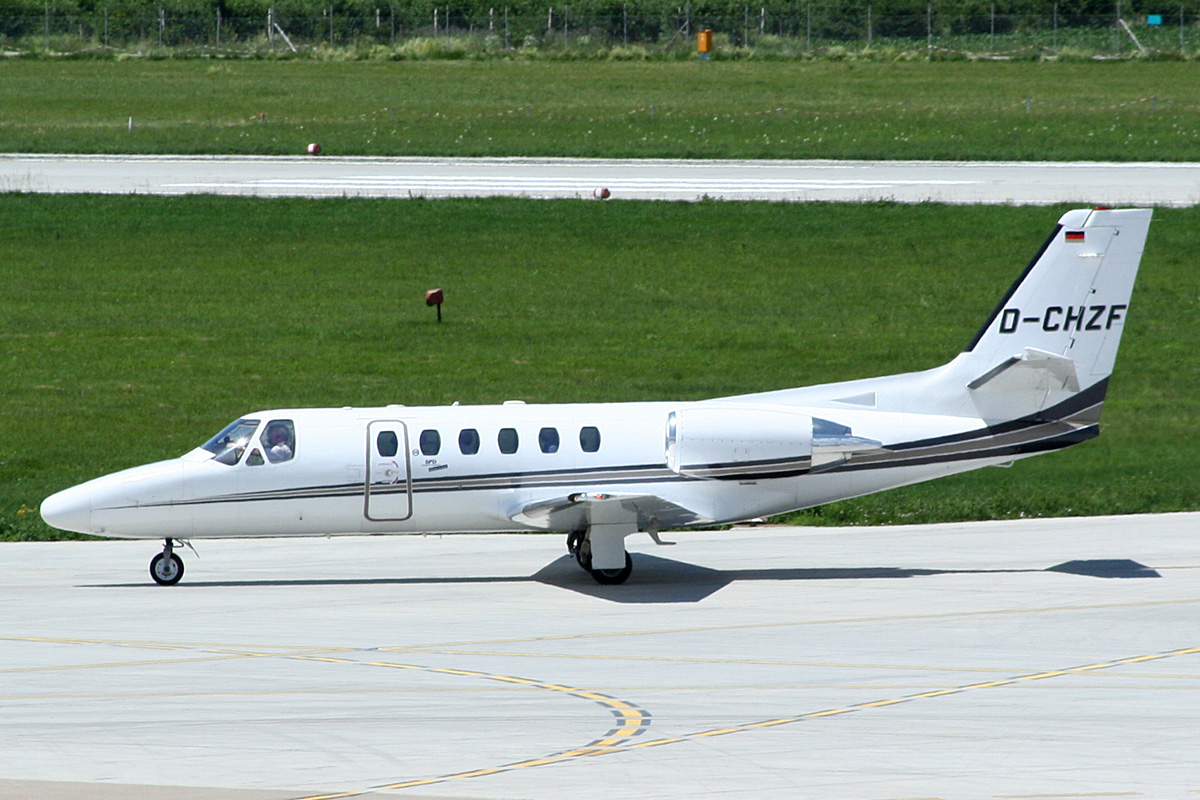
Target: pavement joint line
[116,664]
[282,648]
[1066,795]
[689,660]
[794,624]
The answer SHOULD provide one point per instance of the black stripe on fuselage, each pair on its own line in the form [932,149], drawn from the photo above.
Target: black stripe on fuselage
[1019,437]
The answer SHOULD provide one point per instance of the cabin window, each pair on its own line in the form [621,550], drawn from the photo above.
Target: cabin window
[387,443]
[548,440]
[468,441]
[589,439]
[255,458]
[431,443]
[228,445]
[279,440]
[507,439]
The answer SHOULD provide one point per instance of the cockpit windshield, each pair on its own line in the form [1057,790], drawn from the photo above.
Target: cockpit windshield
[228,445]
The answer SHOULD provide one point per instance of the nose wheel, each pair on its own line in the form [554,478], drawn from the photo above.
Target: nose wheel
[166,568]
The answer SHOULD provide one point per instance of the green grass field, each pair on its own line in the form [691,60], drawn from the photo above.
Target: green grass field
[136,327]
[1125,111]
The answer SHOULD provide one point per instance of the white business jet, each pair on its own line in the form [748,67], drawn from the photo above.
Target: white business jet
[1032,380]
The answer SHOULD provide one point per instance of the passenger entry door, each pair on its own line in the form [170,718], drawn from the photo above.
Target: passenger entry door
[388,489]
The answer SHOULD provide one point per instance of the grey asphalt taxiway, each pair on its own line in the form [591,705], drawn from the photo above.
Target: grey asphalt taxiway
[1010,659]
[1159,184]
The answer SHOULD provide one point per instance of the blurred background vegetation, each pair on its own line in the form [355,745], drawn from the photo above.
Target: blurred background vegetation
[630,29]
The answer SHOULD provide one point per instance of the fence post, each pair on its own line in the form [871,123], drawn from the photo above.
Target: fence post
[162,24]
[928,29]
[106,27]
[1055,48]
[218,27]
[506,42]
[808,27]
[625,23]
[1117,27]
[1181,29]
[392,9]
[992,37]
[762,21]
[869,32]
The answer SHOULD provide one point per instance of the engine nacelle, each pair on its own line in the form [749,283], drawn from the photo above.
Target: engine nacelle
[730,440]
[748,441]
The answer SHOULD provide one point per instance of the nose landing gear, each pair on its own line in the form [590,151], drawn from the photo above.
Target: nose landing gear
[166,568]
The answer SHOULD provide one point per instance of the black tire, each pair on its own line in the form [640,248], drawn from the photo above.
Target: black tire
[613,577]
[166,570]
[583,554]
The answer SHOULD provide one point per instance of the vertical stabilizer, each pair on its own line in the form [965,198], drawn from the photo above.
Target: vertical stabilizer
[1073,298]
[1047,349]
[1055,334]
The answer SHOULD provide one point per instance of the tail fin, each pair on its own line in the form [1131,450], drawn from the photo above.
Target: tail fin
[1046,351]
[1055,334]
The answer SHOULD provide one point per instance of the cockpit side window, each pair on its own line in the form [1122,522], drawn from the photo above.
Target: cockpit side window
[279,440]
[228,445]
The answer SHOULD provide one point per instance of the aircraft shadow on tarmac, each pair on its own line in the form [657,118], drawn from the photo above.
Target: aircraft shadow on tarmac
[664,580]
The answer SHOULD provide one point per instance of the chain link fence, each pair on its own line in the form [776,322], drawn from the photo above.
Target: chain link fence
[445,32]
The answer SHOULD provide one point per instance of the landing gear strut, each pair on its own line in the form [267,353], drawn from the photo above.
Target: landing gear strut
[166,568]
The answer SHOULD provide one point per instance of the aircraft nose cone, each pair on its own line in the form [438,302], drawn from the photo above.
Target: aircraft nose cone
[69,510]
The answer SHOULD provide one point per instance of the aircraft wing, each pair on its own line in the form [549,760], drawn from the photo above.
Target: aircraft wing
[576,511]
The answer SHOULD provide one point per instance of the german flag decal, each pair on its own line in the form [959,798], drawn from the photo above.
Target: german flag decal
[1074,236]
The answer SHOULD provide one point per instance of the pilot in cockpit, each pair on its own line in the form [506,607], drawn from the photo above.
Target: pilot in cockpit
[279,442]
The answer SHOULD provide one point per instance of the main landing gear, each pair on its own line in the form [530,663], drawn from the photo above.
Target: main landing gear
[166,568]
[579,544]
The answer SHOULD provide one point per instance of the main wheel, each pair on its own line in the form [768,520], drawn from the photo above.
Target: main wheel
[611,577]
[166,569]
[583,554]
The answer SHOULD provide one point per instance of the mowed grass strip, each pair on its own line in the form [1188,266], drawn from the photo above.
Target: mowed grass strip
[1124,111]
[136,327]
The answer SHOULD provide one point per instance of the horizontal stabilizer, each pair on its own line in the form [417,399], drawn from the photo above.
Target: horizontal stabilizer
[1024,384]
[1030,369]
